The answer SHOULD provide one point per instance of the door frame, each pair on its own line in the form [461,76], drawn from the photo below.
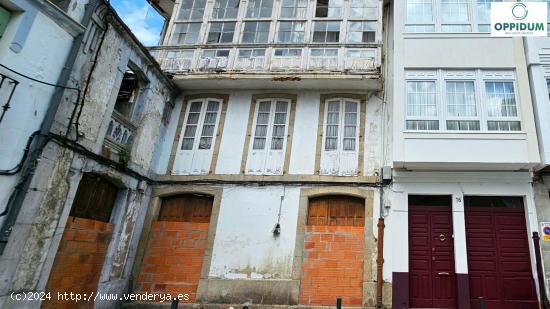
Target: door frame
[369,276]
[447,209]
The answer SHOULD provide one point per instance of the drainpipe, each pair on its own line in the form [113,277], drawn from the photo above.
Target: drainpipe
[380,262]
[15,201]
[380,245]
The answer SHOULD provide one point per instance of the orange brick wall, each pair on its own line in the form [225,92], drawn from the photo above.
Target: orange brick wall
[79,260]
[333,265]
[173,258]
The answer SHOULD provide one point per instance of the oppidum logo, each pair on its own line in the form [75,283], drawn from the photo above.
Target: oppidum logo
[518,19]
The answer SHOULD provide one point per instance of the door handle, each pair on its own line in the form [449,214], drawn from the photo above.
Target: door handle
[443,273]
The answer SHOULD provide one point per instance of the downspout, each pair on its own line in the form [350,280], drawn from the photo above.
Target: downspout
[380,244]
[15,201]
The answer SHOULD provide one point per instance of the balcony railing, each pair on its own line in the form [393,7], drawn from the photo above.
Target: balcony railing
[348,59]
[120,131]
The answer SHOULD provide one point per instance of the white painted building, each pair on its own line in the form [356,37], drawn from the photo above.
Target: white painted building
[28,26]
[464,145]
[281,108]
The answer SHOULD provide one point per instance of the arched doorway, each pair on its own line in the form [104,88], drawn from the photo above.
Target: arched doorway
[334,245]
[175,250]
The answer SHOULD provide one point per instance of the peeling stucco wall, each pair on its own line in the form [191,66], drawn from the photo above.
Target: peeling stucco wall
[32,245]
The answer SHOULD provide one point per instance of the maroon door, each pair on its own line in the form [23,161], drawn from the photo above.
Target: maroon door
[499,263]
[432,279]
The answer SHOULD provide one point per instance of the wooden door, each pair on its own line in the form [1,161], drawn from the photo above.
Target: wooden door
[499,263]
[432,278]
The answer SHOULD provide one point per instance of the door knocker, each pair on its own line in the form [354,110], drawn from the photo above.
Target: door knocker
[442,237]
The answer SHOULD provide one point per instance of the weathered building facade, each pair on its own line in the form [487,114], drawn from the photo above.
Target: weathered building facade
[102,103]
[272,153]
[272,157]
[464,145]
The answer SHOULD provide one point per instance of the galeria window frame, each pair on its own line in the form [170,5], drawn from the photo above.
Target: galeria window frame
[190,36]
[436,23]
[464,124]
[195,11]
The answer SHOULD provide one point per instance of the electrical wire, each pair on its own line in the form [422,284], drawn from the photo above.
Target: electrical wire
[19,166]
[80,102]
[37,80]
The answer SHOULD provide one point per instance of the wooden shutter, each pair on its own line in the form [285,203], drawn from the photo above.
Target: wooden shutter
[336,211]
[95,198]
[187,208]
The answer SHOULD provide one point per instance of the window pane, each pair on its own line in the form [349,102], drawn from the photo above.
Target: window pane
[455,11]
[349,144]
[259,143]
[463,125]
[422,125]
[259,8]
[504,125]
[501,99]
[461,99]
[421,100]
[419,11]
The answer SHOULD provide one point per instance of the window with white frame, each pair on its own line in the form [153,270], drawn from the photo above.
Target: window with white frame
[502,107]
[250,58]
[455,16]
[259,8]
[340,146]
[200,124]
[251,53]
[341,128]
[462,113]
[484,15]
[198,136]
[420,16]
[225,9]
[360,58]
[452,16]
[293,8]
[268,137]
[291,32]
[361,32]
[215,53]
[324,52]
[186,33]
[471,100]
[326,32]
[364,9]
[329,8]
[221,32]
[323,58]
[361,53]
[421,105]
[192,10]
[256,32]
[214,59]
[288,52]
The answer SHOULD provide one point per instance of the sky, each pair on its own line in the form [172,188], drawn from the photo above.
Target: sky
[142,19]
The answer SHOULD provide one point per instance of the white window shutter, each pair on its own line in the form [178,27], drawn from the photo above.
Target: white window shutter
[268,138]
[198,137]
[275,160]
[259,138]
[340,146]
